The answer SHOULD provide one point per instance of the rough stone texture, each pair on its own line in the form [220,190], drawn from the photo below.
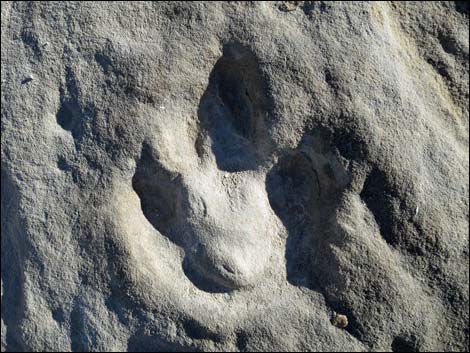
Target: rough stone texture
[234,176]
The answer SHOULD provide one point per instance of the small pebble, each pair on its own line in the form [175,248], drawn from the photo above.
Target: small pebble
[289,5]
[340,320]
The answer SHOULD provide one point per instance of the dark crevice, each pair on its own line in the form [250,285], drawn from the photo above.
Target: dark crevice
[58,315]
[62,164]
[293,187]
[196,331]
[462,7]
[406,343]
[68,168]
[332,81]
[233,108]
[304,189]
[26,80]
[381,200]
[72,115]
[30,39]
[158,190]
[394,214]
[441,68]
[105,62]
[71,86]
[308,7]
[77,334]
[242,341]
[449,44]
[350,145]
[69,117]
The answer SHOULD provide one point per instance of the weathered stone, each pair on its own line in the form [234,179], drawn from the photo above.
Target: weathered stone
[226,175]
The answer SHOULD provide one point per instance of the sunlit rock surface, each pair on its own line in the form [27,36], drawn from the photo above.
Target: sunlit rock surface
[235,176]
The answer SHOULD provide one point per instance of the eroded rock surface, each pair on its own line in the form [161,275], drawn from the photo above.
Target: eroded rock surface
[236,176]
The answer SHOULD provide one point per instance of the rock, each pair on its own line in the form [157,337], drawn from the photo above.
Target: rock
[340,320]
[290,5]
[220,176]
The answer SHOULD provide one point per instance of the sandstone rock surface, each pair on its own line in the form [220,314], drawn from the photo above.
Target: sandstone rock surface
[237,176]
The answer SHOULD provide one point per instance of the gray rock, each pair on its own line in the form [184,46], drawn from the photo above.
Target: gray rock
[234,176]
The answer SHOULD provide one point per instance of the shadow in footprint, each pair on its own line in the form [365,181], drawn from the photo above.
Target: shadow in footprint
[158,189]
[231,115]
[164,202]
[233,108]
[72,114]
[293,188]
[304,190]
